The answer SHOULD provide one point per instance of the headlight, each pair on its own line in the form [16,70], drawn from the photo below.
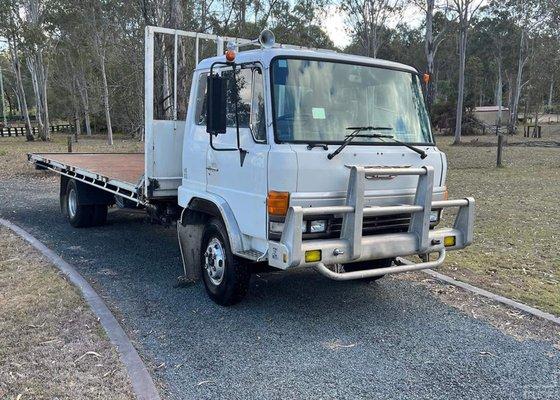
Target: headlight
[435,216]
[278,227]
[318,226]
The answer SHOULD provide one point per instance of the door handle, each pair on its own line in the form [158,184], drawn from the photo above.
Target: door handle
[212,169]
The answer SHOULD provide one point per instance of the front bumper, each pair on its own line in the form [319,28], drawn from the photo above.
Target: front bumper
[289,252]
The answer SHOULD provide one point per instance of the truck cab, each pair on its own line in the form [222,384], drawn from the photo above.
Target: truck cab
[324,160]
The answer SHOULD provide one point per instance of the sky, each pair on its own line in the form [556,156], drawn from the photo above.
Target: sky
[334,23]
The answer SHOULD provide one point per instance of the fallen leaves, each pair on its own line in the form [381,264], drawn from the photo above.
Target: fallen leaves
[87,353]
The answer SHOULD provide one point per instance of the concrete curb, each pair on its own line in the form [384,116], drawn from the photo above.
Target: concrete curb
[496,297]
[142,383]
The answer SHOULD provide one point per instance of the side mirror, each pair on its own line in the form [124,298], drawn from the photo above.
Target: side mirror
[216,104]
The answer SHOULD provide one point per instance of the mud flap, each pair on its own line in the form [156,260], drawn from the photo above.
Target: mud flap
[190,239]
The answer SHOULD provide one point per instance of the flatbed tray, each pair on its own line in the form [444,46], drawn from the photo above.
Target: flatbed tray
[113,172]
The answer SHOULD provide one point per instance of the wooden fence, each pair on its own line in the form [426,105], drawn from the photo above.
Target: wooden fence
[20,130]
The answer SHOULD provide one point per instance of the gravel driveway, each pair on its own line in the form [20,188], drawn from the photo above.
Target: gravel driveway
[296,335]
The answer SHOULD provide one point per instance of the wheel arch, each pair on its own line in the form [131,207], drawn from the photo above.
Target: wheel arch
[200,209]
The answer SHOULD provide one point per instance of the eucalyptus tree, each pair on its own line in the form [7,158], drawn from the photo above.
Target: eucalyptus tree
[434,35]
[528,16]
[367,21]
[495,40]
[11,29]
[465,10]
[36,48]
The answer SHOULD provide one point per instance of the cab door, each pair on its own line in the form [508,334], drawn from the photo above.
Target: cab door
[242,182]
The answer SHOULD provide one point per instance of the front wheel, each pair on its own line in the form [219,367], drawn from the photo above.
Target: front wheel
[225,276]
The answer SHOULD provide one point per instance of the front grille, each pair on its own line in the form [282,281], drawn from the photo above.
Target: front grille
[371,226]
[375,225]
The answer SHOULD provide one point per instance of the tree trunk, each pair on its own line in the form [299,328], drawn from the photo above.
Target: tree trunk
[461,87]
[21,92]
[77,122]
[87,122]
[106,102]
[2,100]
[429,50]
[550,94]
[31,65]
[517,89]
[44,76]
[81,85]
[536,127]
[499,94]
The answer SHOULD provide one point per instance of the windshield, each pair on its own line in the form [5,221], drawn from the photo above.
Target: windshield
[316,101]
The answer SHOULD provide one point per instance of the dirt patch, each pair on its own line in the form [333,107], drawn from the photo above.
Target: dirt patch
[51,344]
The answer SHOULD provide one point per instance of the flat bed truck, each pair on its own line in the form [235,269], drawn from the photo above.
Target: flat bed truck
[286,157]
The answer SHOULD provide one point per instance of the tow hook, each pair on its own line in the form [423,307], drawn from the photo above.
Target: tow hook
[337,252]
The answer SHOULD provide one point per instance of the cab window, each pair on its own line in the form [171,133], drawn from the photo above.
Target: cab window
[249,99]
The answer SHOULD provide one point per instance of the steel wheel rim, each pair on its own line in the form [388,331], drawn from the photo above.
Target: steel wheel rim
[72,203]
[215,261]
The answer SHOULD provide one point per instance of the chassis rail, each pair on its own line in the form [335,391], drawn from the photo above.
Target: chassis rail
[352,246]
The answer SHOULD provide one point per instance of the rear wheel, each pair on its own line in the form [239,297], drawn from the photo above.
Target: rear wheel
[79,215]
[365,265]
[225,276]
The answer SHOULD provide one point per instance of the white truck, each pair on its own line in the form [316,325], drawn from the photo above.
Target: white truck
[287,157]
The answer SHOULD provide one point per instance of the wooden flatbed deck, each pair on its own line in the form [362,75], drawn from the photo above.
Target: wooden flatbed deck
[127,168]
[117,173]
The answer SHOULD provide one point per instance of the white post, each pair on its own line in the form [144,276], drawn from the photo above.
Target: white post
[196,50]
[148,101]
[219,46]
[175,48]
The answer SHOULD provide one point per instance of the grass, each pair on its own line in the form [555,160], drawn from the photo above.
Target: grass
[51,344]
[517,232]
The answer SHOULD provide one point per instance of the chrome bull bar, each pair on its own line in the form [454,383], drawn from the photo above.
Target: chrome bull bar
[352,246]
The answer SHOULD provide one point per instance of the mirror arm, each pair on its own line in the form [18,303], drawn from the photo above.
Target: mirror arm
[242,152]
[212,135]
[219,149]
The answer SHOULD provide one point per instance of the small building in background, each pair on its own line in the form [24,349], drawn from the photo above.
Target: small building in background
[489,115]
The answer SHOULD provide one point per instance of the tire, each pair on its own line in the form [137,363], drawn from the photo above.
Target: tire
[365,265]
[79,215]
[226,278]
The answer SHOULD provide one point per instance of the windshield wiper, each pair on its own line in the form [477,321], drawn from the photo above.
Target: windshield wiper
[355,131]
[422,153]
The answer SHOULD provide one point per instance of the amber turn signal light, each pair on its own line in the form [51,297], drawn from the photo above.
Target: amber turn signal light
[277,203]
[230,55]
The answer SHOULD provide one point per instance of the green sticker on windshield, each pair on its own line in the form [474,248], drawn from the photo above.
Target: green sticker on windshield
[318,113]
